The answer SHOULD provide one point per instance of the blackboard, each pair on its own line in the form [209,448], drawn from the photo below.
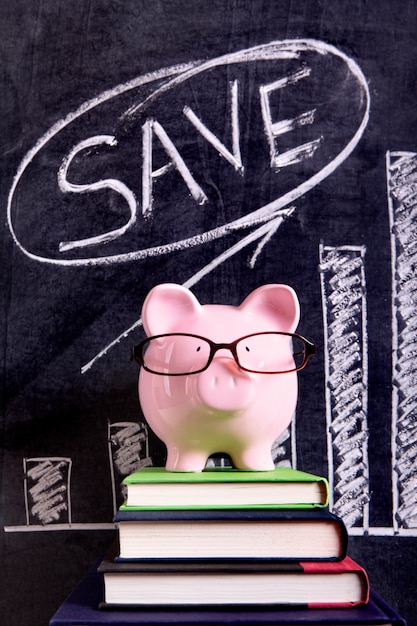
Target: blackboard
[220,145]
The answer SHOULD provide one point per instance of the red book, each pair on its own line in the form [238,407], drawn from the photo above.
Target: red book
[226,582]
[81,609]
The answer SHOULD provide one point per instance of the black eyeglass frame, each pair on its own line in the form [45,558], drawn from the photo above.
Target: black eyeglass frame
[137,352]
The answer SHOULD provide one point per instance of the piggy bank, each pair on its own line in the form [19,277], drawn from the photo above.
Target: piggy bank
[219,378]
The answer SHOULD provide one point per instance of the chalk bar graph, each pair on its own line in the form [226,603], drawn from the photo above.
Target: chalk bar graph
[344,316]
[402,201]
[47,490]
[47,481]
[128,451]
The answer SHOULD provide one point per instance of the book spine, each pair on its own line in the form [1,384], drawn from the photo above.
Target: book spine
[129,513]
[346,565]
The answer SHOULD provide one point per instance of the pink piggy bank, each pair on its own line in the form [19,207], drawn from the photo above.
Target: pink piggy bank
[219,378]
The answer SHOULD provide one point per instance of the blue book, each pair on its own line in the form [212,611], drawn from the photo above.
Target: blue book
[81,609]
[309,534]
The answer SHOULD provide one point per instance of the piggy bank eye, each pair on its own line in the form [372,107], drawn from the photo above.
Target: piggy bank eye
[175,354]
[269,353]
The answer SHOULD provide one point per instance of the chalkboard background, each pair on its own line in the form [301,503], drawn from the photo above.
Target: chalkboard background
[313,105]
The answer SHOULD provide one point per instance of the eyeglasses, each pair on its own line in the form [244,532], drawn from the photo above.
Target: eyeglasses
[181,354]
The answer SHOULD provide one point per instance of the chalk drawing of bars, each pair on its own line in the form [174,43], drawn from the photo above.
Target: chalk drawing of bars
[345,332]
[128,446]
[47,490]
[284,452]
[401,170]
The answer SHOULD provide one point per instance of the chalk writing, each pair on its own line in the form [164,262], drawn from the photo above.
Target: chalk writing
[150,128]
[275,129]
[115,185]
[299,51]
[234,157]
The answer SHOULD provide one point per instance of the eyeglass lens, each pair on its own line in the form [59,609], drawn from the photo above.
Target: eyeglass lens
[176,354]
[269,353]
[263,353]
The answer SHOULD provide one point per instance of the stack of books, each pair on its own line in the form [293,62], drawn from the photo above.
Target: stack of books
[227,537]
[226,546]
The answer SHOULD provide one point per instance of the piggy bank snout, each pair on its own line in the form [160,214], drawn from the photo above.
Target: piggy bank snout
[224,386]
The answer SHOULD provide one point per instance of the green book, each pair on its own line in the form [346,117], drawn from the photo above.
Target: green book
[157,488]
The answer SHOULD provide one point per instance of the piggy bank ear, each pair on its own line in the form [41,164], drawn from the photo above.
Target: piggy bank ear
[279,303]
[165,308]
